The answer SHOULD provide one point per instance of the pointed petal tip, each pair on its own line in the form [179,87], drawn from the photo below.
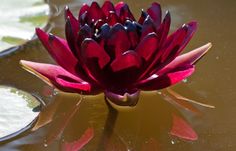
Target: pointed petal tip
[38,30]
[31,68]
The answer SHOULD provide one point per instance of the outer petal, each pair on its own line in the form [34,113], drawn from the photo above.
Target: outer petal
[148,46]
[189,58]
[173,46]
[156,82]
[59,50]
[123,100]
[58,77]
[155,12]
[118,41]
[164,28]
[71,29]
[173,43]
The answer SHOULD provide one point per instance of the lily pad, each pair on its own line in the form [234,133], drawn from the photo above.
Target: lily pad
[18,111]
[18,20]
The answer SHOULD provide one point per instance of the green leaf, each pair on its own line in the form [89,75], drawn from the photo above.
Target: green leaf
[18,111]
[18,20]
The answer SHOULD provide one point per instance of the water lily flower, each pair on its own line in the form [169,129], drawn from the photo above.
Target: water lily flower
[107,50]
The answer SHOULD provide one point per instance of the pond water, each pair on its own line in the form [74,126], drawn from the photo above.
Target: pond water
[145,127]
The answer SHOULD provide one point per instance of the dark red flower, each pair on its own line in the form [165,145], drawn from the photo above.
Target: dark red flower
[107,50]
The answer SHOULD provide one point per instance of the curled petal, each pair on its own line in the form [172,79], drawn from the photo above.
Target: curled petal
[57,76]
[108,7]
[123,100]
[156,82]
[148,46]
[188,58]
[129,59]
[59,50]
[118,41]
[91,49]
[155,13]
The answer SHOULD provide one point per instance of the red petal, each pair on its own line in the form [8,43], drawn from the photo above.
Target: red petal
[112,19]
[107,7]
[180,40]
[156,82]
[163,30]
[174,45]
[142,17]
[68,14]
[81,142]
[148,46]
[71,30]
[148,27]
[95,13]
[57,76]
[155,13]
[188,58]
[129,59]
[125,14]
[85,32]
[58,48]
[91,49]
[162,33]
[118,7]
[83,9]
[118,42]
[181,129]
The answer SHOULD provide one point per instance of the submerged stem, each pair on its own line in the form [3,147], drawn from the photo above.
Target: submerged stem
[109,126]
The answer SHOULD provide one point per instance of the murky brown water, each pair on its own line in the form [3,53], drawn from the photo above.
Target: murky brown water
[213,83]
